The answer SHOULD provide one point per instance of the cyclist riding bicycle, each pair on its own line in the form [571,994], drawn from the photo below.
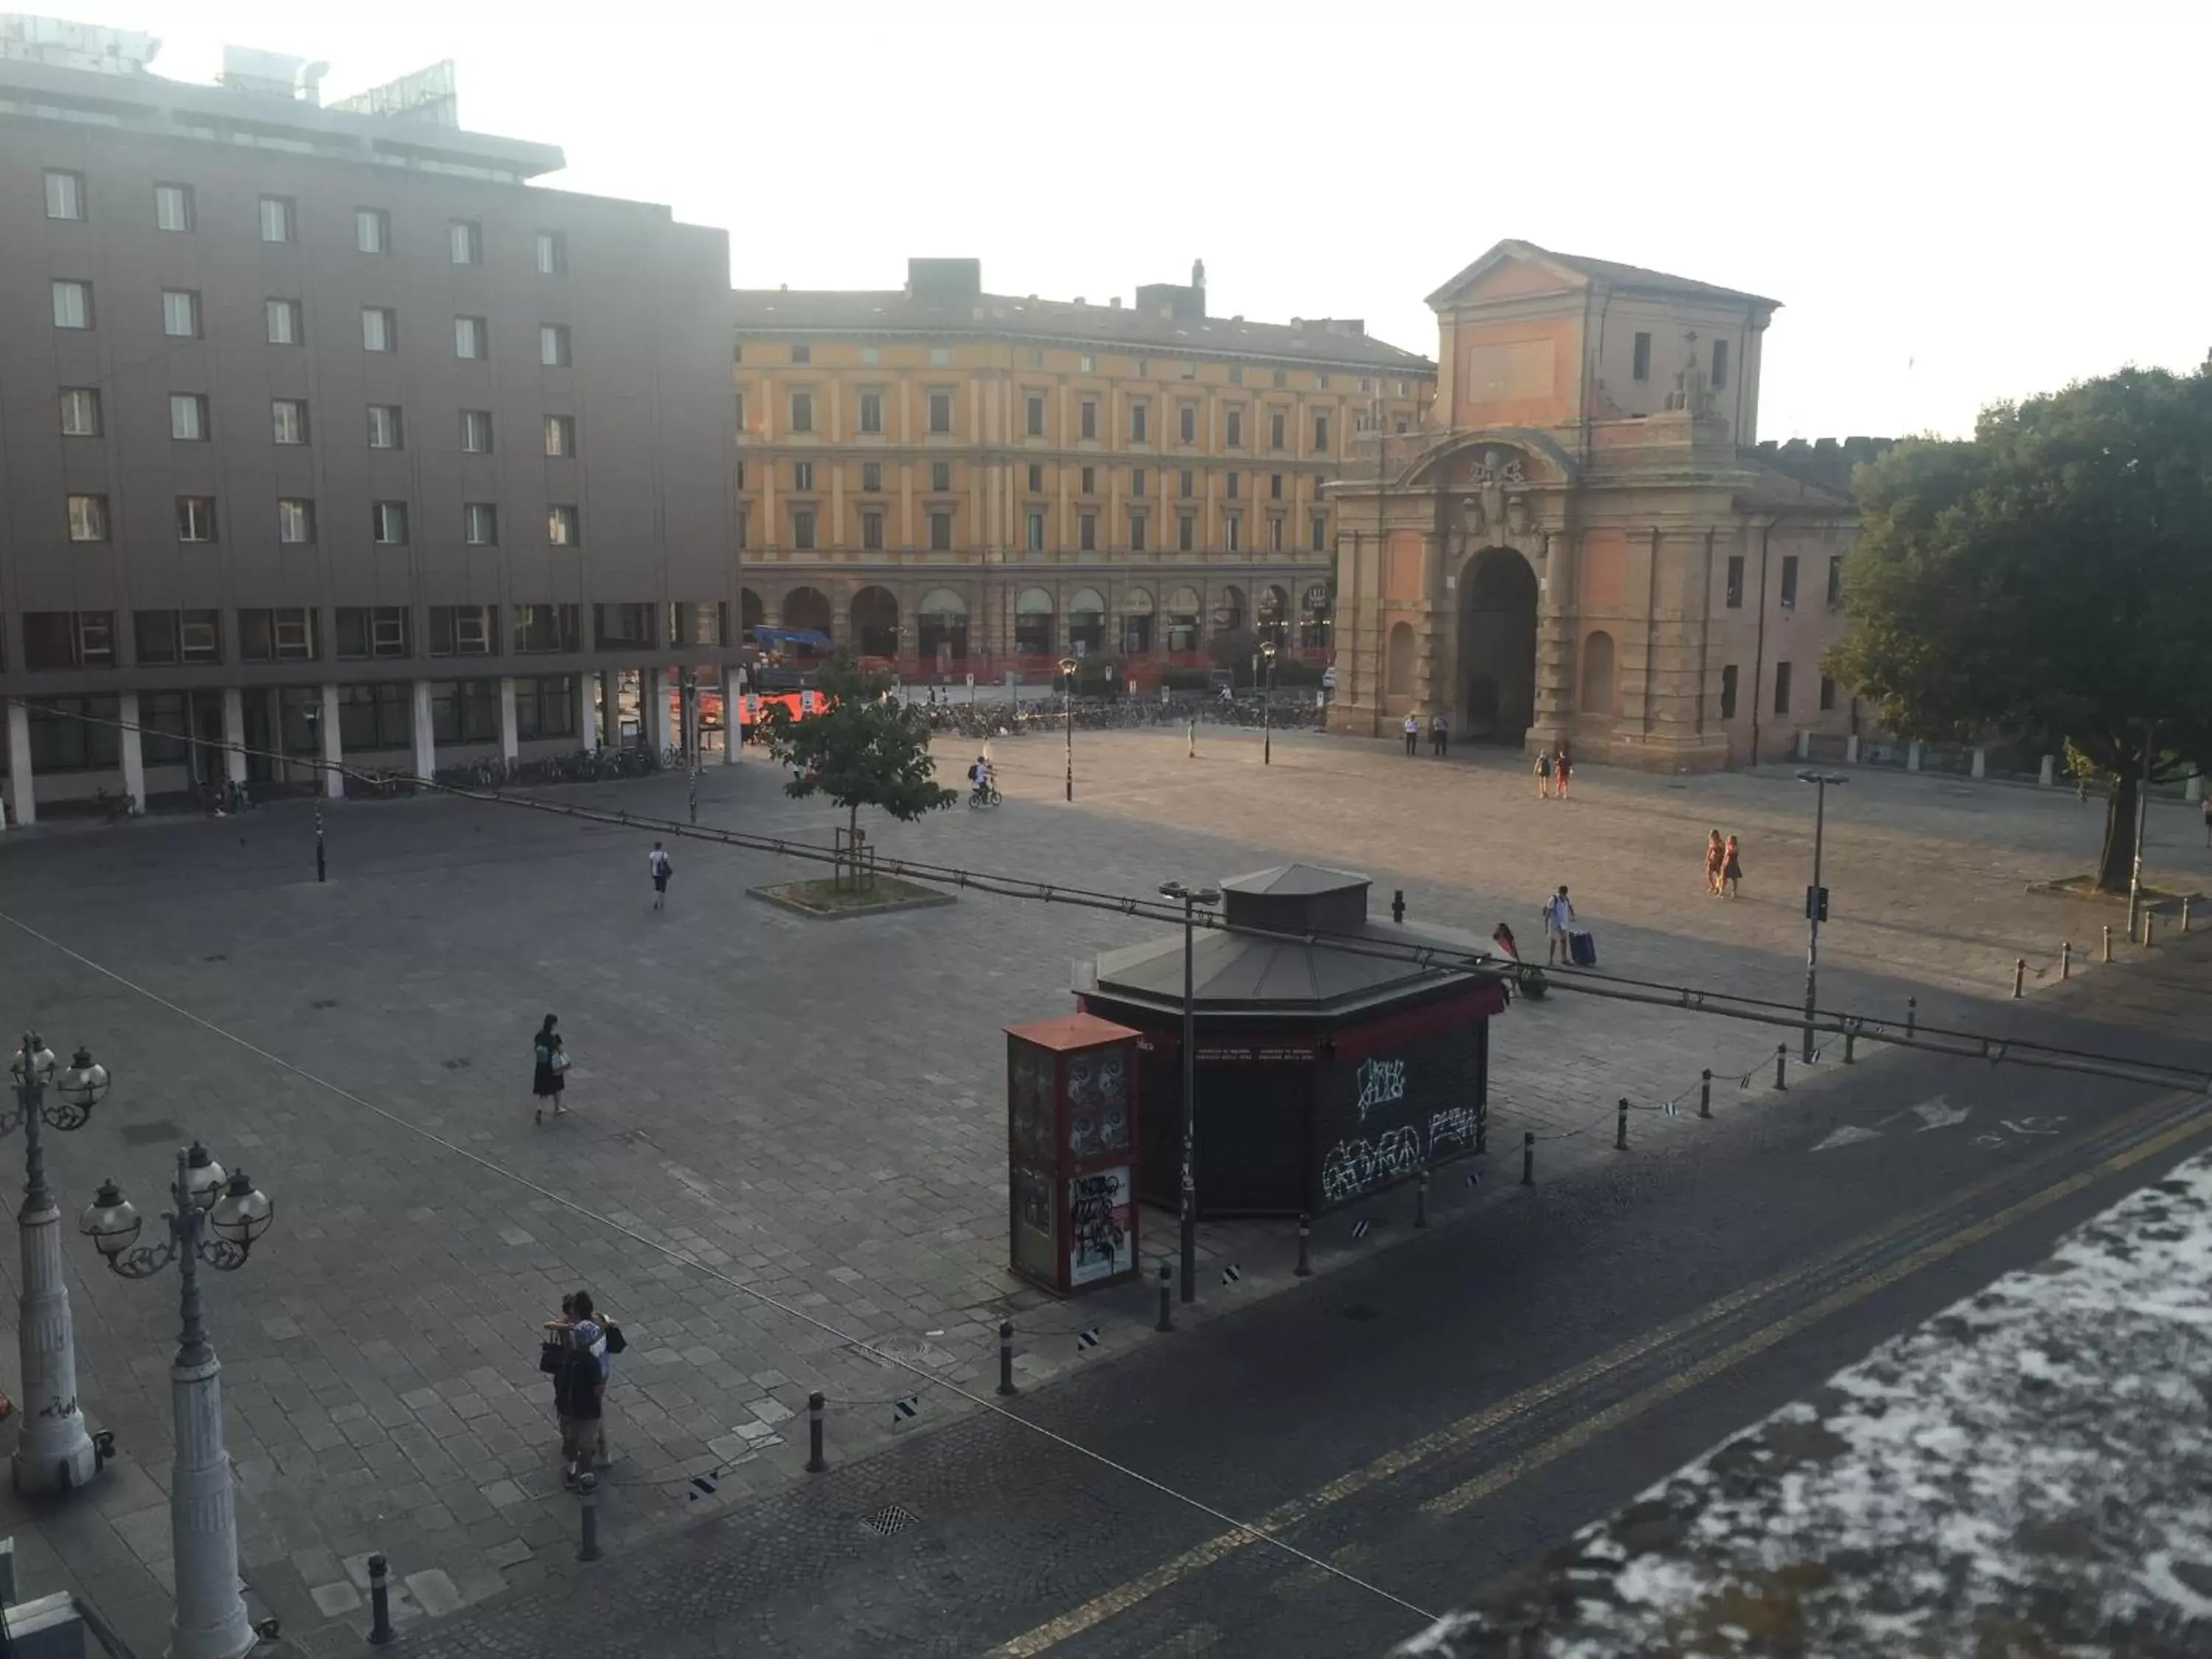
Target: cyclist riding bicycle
[979,776]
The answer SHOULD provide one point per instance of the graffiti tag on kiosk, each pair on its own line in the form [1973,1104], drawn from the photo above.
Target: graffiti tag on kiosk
[1353,1166]
[1099,1244]
[1381,1082]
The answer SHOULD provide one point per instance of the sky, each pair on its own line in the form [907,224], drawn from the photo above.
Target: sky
[1956,202]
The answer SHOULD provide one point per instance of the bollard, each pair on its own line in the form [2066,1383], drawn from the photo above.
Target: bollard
[2147,928]
[1527,1157]
[1006,1356]
[1782,1066]
[1304,1269]
[1850,1036]
[1190,736]
[321,869]
[1421,1199]
[2065,958]
[380,1601]
[2185,897]
[1621,1129]
[1912,1007]
[1167,1296]
[1398,904]
[2108,941]
[588,1488]
[2019,975]
[816,1462]
[1705,1092]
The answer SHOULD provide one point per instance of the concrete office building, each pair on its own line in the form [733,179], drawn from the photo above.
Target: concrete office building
[322,432]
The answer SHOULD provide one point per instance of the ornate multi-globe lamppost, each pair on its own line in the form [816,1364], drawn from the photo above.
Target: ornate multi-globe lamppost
[217,1220]
[55,1453]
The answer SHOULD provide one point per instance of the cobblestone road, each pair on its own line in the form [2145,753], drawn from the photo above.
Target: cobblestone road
[808,1113]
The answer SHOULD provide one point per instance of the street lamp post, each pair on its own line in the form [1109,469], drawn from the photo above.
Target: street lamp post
[1067,666]
[1816,896]
[55,1452]
[1190,898]
[1267,707]
[216,1221]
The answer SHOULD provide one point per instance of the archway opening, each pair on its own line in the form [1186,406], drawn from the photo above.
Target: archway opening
[1276,615]
[1033,631]
[807,607]
[1086,623]
[1136,624]
[1496,648]
[751,613]
[875,614]
[942,628]
[1184,606]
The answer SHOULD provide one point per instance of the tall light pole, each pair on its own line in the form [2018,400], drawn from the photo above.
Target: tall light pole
[1190,898]
[55,1452]
[2143,825]
[217,1220]
[1267,707]
[1067,666]
[1816,896]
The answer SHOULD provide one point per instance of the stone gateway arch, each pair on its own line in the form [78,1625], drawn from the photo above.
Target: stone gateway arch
[1583,543]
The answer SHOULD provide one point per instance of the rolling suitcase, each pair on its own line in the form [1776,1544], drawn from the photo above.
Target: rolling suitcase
[1582,947]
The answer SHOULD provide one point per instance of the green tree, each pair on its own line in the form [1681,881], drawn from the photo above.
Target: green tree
[2051,576]
[861,748]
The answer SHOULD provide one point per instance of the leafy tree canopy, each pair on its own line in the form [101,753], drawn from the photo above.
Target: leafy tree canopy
[2052,576]
[861,748]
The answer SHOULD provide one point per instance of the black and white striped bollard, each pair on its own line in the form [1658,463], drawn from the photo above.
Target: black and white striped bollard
[380,1602]
[815,1461]
[1705,1092]
[587,1546]
[1006,1356]
[1167,1298]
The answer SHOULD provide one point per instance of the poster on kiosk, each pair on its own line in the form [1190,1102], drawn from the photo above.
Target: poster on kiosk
[1072,1152]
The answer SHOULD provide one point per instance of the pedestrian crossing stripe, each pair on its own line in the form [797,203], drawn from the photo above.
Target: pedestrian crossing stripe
[1232,1274]
[1087,1338]
[1474,1177]
[702,1486]
[902,1411]
[1359,1229]
[1673,1108]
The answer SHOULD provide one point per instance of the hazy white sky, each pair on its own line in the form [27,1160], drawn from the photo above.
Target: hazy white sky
[1955,200]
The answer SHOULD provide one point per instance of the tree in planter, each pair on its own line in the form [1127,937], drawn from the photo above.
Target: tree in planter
[860,747]
[2053,575]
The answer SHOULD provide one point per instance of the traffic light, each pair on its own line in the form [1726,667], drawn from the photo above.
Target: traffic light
[1816,904]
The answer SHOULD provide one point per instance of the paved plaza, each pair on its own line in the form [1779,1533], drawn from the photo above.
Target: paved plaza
[809,1113]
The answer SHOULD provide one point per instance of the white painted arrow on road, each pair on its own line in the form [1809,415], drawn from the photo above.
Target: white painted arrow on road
[1939,1114]
[1846,1136]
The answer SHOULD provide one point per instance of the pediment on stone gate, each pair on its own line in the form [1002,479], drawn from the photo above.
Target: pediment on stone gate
[1512,269]
[1467,460]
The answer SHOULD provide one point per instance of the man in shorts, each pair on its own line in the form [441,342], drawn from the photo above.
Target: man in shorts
[1558,916]
[662,867]
[579,1387]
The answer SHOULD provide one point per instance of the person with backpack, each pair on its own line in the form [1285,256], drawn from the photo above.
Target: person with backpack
[543,1086]
[1558,917]
[1543,774]
[662,867]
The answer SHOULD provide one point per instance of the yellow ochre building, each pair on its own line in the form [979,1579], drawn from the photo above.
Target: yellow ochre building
[973,483]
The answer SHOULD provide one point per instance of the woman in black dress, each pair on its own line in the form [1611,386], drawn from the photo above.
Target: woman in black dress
[544,1085]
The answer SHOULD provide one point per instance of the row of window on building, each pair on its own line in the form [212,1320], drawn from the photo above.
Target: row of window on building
[802,356]
[1788,584]
[56,639]
[391,524]
[1784,674]
[176,208]
[83,735]
[1640,363]
[285,323]
[942,531]
[942,403]
[83,414]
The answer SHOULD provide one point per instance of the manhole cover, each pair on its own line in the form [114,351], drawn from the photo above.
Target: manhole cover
[1362,1313]
[220,955]
[892,1517]
[455,1065]
[324,1002]
[159,1132]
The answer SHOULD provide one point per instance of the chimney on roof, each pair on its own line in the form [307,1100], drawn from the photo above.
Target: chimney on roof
[943,279]
[1198,275]
[1115,302]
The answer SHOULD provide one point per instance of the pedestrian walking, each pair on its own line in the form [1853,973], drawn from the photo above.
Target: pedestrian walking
[1563,767]
[1716,861]
[1439,736]
[542,1087]
[1543,773]
[1731,868]
[581,1403]
[1413,732]
[559,1066]
[1558,916]
[662,867]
